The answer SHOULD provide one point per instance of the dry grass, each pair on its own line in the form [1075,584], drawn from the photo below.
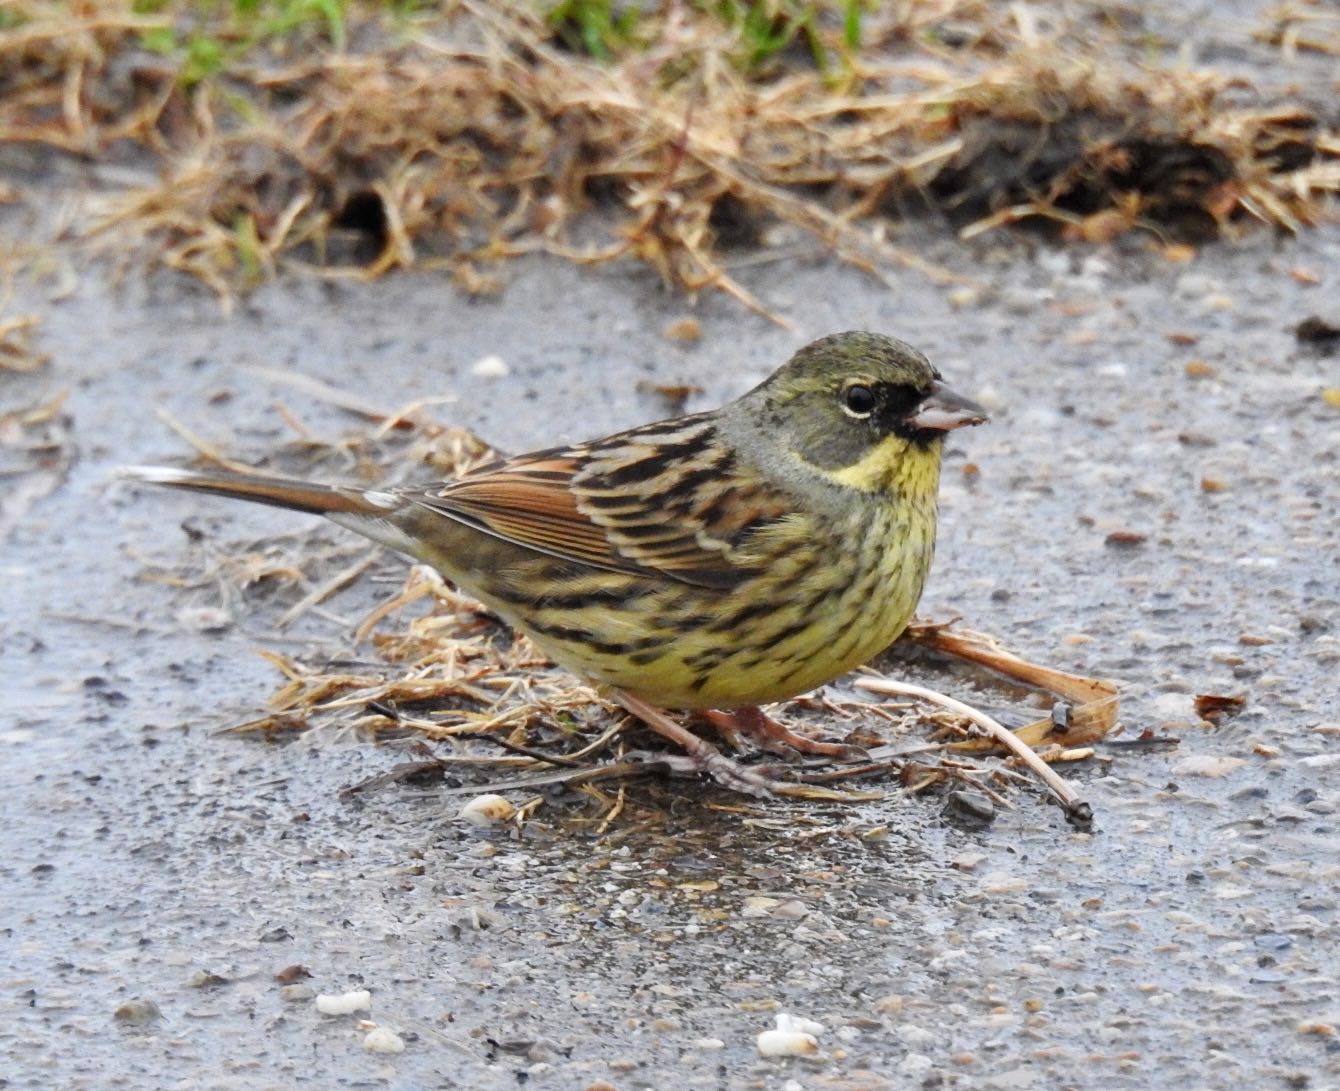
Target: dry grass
[18,351]
[470,134]
[496,706]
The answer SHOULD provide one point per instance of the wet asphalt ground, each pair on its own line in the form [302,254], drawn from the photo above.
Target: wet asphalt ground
[1188,940]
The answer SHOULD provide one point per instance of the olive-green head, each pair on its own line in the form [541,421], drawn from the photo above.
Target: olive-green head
[841,396]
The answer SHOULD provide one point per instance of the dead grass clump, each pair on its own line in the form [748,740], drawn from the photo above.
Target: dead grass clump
[64,76]
[454,676]
[474,132]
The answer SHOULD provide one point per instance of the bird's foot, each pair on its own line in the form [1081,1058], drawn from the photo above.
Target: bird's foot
[775,737]
[701,753]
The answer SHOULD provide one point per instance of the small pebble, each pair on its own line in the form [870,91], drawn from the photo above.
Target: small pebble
[1002,882]
[490,367]
[381,1040]
[684,329]
[1323,1030]
[344,1003]
[970,806]
[794,1036]
[798,1023]
[137,1012]
[966,861]
[787,1043]
[912,1035]
[204,619]
[1207,765]
[487,810]
[915,1064]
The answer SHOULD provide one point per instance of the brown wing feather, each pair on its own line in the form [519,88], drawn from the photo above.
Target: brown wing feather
[664,498]
[532,504]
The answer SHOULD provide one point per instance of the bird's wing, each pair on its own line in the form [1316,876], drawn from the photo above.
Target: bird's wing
[665,498]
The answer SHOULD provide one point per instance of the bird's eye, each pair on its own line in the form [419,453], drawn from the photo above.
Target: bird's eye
[859,400]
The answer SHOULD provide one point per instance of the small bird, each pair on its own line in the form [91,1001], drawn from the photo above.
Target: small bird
[709,563]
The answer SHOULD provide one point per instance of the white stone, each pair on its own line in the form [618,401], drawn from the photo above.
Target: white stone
[490,367]
[343,1003]
[487,810]
[787,1043]
[381,1040]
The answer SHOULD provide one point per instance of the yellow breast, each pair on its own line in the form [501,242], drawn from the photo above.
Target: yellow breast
[834,591]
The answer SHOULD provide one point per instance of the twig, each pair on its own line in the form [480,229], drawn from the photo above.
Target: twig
[1094,701]
[110,622]
[526,751]
[324,590]
[555,777]
[325,392]
[614,811]
[422,581]
[1074,807]
[202,445]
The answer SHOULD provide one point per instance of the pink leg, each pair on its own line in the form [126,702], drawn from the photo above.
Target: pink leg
[776,737]
[703,753]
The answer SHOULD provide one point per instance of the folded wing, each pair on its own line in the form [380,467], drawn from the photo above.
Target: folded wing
[664,499]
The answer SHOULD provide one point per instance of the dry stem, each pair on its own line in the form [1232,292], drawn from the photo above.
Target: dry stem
[1074,806]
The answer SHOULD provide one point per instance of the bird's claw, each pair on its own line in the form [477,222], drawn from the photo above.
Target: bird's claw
[776,738]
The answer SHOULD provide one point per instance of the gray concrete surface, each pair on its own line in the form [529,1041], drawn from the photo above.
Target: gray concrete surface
[1188,941]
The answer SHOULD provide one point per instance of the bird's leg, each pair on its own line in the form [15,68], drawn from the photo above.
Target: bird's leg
[774,736]
[728,724]
[706,756]
[725,726]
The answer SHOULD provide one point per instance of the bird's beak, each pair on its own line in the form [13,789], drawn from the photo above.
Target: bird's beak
[943,410]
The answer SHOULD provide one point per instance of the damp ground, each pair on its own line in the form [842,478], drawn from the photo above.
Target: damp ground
[1154,502]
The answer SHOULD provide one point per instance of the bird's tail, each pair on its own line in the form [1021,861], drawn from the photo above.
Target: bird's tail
[373,513]
[280,492]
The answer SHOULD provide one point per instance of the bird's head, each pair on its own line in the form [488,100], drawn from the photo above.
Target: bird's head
[850,398]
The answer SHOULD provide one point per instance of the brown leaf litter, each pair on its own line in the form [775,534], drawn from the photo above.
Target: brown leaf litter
[469,133]
[456,675]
